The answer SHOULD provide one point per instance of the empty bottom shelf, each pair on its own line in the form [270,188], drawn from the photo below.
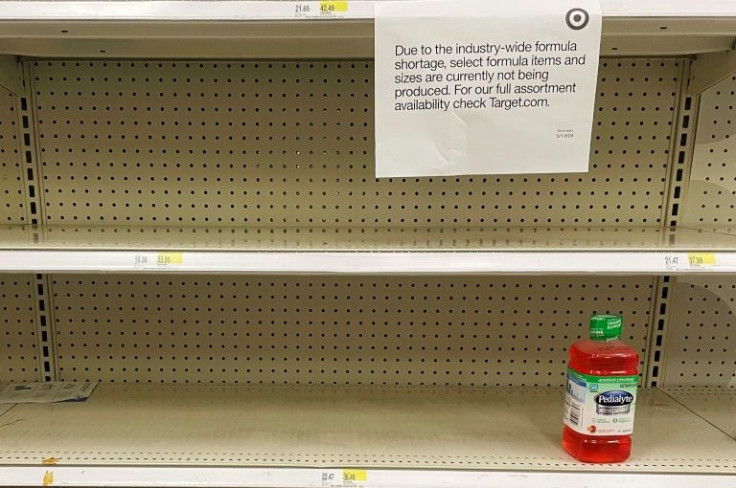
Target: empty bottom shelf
[716,405]
[156,435]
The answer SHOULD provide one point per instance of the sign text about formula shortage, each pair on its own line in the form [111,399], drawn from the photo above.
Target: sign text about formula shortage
[515,75]
[496,92]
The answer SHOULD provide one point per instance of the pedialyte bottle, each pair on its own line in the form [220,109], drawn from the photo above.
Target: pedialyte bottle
[600,398]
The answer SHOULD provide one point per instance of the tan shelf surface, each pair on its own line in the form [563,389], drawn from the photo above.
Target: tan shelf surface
[441,428]
[369,239]
[716,405]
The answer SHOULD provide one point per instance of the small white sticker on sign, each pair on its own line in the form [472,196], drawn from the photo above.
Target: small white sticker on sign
[479,87]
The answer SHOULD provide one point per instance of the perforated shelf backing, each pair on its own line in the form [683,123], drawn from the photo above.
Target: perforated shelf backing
[291,143]
[19,361]
[414,330]
[711,193]
[701,336]
[12,191]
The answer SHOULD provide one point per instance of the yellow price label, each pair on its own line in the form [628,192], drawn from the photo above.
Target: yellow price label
[328,6]
[351,475]
[48,478]
[701,259]
[169,258]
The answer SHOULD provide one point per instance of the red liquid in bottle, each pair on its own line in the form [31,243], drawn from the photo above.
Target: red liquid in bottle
[600,358]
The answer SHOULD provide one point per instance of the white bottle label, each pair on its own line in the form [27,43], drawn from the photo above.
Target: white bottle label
[600,405]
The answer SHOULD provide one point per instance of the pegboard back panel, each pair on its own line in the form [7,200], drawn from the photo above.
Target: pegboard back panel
[416,330]
[19,361]
[711,193]
[291,144]
[12,191]
[701,335]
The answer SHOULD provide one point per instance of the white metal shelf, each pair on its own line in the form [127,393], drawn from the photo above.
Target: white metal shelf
[282,10]
[195,477]
[246,436]
[531,250]
[223,29]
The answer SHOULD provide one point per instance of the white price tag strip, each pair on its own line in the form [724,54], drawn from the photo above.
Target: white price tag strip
[344,478]
[158,260]
[585,262]
[187,10]
[225,476]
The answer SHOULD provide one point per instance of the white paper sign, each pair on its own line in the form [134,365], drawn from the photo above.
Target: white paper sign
[485,87]
[51,392]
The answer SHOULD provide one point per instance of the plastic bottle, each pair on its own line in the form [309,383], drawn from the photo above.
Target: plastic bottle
[600,397]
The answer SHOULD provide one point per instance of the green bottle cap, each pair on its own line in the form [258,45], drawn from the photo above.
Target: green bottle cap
[604,327]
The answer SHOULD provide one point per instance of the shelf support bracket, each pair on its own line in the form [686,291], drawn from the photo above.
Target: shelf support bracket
[709,69]
[11,75]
